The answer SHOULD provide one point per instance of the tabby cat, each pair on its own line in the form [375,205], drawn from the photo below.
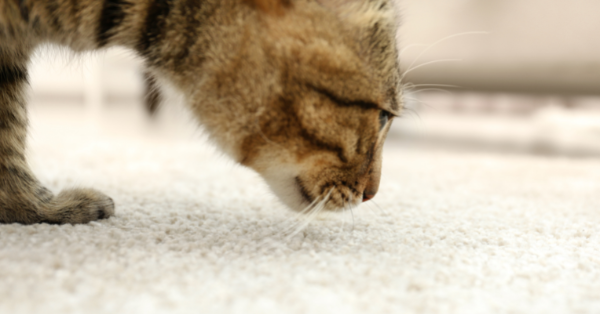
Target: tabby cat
[302,91]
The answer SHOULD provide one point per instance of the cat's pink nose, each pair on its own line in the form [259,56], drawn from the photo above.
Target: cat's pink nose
[367,197]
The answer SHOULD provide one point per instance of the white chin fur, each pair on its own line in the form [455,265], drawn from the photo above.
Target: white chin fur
[281,180]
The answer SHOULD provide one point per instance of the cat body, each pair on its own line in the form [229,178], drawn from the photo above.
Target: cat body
[299,90]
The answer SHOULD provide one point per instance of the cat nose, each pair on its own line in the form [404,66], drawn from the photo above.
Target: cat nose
[371,189]
[367,196]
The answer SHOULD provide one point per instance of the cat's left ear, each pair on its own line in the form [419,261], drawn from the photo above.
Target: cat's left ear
[277,7]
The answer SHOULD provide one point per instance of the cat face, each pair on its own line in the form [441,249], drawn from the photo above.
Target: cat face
[310,97]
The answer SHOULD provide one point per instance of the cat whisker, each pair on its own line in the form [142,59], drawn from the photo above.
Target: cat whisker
[421,102]
[309,218]
[372,212]
[410,67]
[307,208]
[301,215]
[311,215]
[411,85]
[431,89]
[414,112]
[386,215]
[347,207]
[301,223]
[379,207]
[425,64]
[344,210]
[405,49]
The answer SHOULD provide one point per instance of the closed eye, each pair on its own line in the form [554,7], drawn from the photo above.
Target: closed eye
[345,102]
[384,115]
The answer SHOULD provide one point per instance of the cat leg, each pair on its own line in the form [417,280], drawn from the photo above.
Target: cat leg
[22,198]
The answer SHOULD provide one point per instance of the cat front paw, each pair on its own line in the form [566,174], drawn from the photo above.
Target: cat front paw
[79,206]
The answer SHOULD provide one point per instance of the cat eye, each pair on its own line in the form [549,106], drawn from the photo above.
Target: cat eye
[384,117]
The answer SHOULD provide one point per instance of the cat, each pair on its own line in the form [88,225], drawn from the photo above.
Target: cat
[301,91]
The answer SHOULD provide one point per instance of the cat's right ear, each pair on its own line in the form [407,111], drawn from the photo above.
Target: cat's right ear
[275,7]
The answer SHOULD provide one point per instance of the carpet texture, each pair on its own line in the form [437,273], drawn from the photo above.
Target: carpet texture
[194,233]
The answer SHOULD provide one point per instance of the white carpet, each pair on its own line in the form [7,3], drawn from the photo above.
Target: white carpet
[193,233]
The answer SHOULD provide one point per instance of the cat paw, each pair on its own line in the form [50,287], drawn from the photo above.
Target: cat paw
[79,206]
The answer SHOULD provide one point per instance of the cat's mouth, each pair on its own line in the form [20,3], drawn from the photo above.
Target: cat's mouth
[315,184]
[332,196]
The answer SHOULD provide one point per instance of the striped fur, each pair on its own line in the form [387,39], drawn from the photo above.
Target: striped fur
[295,89]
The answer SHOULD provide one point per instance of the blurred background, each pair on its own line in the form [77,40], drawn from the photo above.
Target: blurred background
[507,76]
[525,75]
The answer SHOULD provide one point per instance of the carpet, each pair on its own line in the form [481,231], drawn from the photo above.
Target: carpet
[449,232]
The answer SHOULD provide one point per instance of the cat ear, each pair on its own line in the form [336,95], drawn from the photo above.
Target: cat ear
[270,6]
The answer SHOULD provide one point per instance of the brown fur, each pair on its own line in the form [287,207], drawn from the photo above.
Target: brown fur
[276,7]
[294,89]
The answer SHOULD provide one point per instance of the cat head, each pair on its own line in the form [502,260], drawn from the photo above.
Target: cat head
[304,93]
